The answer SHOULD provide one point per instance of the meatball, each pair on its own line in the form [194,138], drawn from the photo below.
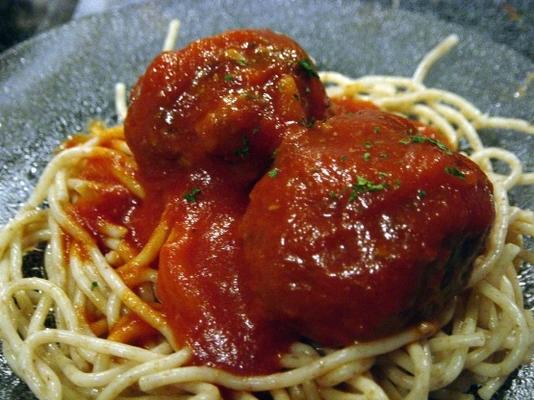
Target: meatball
[232,96]
[363,227]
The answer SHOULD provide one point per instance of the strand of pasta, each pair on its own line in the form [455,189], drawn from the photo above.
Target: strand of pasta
[432,56]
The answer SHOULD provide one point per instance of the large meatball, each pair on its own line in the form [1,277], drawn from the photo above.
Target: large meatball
[364,226]
[231,96]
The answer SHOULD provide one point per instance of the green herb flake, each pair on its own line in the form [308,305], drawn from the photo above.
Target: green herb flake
[367,144]
[191,197]
[418,139]
[376,129]
[455,172]
[273,172]
[296,96]
[364,185]
[236,56]
[344,158]
[421,194]
[243,151]
[440,145]
[333,195]
[366,156]
[423,139]
[383,174]
[228,78]
[94,285]
[308,67]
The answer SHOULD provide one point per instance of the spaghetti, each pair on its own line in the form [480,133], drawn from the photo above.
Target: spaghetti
[480,339]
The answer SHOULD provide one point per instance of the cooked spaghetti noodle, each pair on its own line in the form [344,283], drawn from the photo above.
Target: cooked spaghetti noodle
[480,339]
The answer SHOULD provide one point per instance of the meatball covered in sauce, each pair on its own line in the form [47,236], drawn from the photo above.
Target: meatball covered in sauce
[233,96]
[364,226]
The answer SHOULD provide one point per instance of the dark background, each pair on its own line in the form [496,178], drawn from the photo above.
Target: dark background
[510,22]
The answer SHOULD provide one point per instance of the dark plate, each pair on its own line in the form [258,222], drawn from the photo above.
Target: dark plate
[54,84]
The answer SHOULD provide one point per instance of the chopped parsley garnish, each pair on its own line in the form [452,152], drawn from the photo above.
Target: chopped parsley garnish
[383,174]
[367,144]
[308,67]
[366,156]
[244,149]
[455,172]
[364,185]
[94,285]
[343,158]
[273,172]
[421,194]
[191,197]
[376,129]
[228,78]
[236,56]
[423,139]
[333,195]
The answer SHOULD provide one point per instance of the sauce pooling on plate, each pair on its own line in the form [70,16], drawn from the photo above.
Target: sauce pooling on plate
[364,224]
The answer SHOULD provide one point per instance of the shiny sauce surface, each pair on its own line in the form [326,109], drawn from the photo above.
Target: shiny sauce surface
[291,217]
[233,96]
[368,225]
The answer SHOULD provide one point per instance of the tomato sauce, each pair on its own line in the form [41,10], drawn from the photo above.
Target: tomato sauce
[367,227]
[231,96]
[291,217]
[200,279]
[203,125]
[105,201]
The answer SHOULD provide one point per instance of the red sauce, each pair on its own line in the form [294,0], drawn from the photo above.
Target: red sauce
[200,279]
[231,96]
[367,227]
[133,330]
[228,101]
[344,105]
[364,224]
[107,201]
